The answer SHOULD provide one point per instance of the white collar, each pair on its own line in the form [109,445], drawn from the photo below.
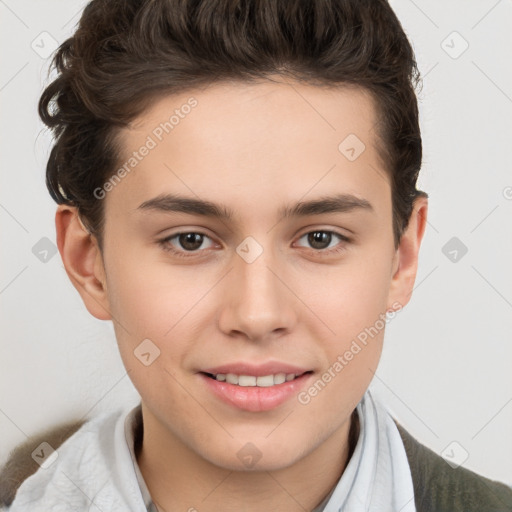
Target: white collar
[378,477]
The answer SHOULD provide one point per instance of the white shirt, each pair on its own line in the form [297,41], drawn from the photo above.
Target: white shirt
[96,470]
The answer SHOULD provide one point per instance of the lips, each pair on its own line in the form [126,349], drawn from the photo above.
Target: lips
[255,388]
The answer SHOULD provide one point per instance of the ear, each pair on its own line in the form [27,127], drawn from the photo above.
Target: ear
[82,260]
[405,262]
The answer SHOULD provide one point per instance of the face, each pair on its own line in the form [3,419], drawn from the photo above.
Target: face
[251,238]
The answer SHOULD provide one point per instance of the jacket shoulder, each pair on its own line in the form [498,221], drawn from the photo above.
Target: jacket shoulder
[20,464]
[438,487]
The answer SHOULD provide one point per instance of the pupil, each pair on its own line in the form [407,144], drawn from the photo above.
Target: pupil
[318,238]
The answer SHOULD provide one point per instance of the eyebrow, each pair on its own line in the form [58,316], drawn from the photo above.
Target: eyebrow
[340,203]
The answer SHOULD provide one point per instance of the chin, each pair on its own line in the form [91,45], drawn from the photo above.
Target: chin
[255,456]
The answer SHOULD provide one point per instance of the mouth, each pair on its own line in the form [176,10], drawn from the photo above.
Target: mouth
[261,381]
[255,393]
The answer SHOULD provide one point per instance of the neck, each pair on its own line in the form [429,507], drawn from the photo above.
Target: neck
[179,479]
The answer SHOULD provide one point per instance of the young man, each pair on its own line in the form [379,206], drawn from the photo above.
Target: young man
[237,194]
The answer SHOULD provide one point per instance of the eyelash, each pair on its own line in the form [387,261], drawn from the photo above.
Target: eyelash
[165,243]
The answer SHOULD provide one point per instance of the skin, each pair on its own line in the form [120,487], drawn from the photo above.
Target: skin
[253,148]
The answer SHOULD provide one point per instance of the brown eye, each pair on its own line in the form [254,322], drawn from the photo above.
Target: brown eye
[190,241]
[321,240]
[186,243]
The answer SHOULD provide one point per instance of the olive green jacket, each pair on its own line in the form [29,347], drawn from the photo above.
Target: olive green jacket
[437,486]
[440,488]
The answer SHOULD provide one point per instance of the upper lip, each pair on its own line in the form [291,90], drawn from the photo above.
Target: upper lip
[242,368]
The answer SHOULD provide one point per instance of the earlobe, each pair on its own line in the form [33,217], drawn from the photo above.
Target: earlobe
[406,258]
[82,260]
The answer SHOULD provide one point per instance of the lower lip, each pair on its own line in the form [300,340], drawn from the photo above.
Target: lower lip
[254,398]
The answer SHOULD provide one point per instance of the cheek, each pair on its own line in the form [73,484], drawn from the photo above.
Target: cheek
[149,298]
[349,297]
[148,302]
[351,302]
[149,308]
[352,305]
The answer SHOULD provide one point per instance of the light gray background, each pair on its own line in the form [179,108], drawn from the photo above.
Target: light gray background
[446,367]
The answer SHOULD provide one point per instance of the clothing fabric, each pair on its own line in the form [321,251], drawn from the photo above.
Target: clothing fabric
[438,487]
[96,469]
[377,477]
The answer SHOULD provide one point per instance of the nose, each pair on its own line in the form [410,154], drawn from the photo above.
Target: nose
[257,304]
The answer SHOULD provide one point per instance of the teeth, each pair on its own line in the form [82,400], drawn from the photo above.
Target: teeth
[250,380]
[231,378]
[279,378]
[266,381]
[246,380]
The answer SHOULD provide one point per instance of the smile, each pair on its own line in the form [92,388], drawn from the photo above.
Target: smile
[263,381]
[255,393]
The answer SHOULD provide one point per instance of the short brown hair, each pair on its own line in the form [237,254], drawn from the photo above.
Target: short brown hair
[127,53]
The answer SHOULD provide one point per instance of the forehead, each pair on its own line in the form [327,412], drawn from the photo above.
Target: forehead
[244,143]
